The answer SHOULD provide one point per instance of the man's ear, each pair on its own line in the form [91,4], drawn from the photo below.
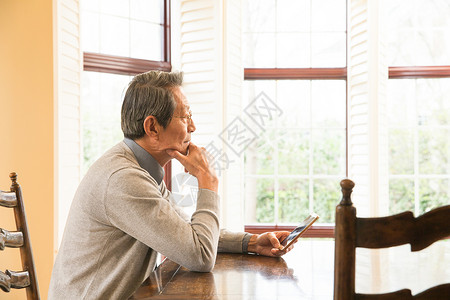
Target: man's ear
[152,127]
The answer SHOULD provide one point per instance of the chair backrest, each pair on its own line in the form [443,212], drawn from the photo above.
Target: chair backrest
[20,238]
[383,232]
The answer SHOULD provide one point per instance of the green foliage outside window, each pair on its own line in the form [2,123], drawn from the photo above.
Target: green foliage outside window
[294,183]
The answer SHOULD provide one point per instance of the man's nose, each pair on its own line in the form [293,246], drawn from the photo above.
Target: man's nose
[191,126]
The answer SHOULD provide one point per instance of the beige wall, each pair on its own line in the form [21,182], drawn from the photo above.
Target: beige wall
[26,127]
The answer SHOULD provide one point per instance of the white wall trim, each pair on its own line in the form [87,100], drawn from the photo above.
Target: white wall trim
[68,68]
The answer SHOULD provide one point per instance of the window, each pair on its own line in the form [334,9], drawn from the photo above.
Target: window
[418,104]
[295,57]
[119,39]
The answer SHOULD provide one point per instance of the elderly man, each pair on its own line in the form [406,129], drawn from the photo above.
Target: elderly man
[122,216]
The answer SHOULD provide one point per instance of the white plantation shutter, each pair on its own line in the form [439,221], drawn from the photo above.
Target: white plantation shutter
[210,57]
[367,79]
[367,82]
[67,66]
[233,180]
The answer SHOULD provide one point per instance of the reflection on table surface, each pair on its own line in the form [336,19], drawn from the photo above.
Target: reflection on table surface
[304,273]
[241,276]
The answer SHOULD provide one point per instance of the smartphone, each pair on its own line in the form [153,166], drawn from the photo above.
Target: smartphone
[298,231]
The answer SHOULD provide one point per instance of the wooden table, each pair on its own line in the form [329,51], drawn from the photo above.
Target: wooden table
[234,277]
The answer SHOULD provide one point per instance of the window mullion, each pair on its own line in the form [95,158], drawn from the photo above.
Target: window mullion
[276,169]
[416,159]
[311,154]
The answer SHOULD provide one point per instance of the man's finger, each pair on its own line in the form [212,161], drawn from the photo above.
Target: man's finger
[277,252]
[290,248]
[175,154]
[274,240]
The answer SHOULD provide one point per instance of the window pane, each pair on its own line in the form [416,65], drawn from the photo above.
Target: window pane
[293,16]
[259,50]
[401,195]
[259,158]
[434,193]
[146,40]
[146,10]
[434,151]
[91,5]
[293,200]
[293,50]
[90,31]
[418,32]
[132,28]
[328,15]
[401,151]
[115,7]
[282,34]
[259,33]
[328,103]
[328,50]
[326,196]
[328,33]
[401,103]
[329,152]
[259,15]
[252,88]
[264,200]
[294,99]
[293,152]
[101,101]
[433,101]
[419,147]
[114,35]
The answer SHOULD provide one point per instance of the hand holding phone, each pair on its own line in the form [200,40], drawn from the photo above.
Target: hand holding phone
[298,231]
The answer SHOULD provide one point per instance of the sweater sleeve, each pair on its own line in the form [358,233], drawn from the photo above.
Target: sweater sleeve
[233,242]
[166,194]
[135,205]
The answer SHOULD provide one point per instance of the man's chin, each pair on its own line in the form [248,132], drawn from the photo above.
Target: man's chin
[185,150]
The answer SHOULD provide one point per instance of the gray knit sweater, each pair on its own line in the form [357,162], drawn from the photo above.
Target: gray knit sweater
[119,219]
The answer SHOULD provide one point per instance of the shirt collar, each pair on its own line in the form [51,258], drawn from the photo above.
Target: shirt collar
[146,161]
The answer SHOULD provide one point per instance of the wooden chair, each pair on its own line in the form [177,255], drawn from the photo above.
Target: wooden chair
[18,239]
[383,232]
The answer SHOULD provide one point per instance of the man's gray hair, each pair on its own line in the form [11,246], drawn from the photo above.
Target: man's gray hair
[149,94]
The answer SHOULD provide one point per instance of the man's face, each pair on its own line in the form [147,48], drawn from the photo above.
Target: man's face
[177,134]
